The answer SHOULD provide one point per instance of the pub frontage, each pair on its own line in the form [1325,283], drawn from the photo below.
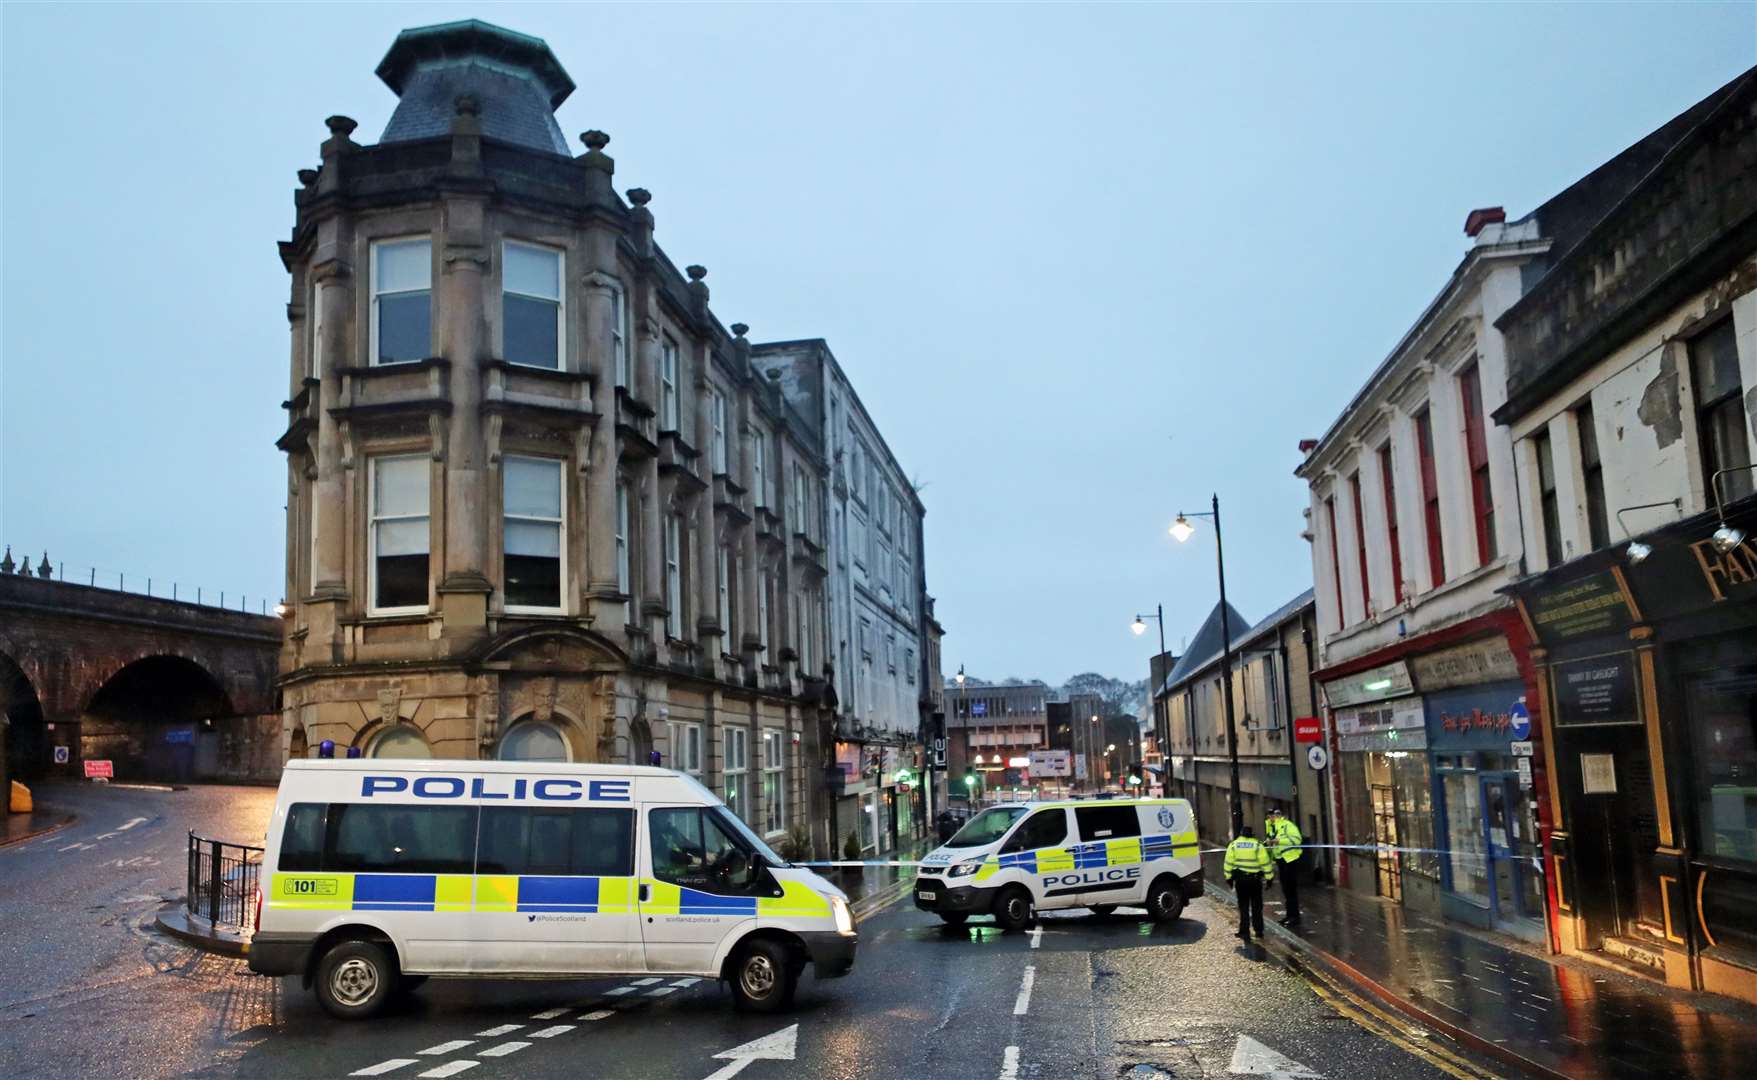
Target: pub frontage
[1647,657]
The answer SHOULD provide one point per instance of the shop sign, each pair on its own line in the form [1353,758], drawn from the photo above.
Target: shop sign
[1365,719]
[1598,774]
[1596,691]
[1595,604]
[1385,741]
[1488,660]
[1307,729]
[1376,684]
[1475,717]
[1727,573]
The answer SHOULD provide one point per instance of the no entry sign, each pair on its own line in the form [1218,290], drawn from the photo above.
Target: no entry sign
[1307,729]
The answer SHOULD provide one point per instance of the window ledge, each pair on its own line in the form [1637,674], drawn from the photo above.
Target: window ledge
[558,374]
[370,371]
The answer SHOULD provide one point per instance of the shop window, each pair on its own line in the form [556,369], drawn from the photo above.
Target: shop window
[1723,725]
[1469,856]
[1415,813]
[1720,412]
[533,740]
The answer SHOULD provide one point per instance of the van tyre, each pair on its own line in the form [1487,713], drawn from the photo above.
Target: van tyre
[355,979]
[1165,900]
[1104,909]
[764,977]
[954,918]
[1014,908]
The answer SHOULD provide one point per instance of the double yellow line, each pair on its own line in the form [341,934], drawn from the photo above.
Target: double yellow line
[1391,1028]
[884,898]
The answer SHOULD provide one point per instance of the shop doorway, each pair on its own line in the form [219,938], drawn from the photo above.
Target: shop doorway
[1608,782]
[1514,880]
[1386,855]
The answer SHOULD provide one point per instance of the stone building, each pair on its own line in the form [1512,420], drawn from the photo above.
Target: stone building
[1630,405]
[877,599]
[540,504]
[991,731]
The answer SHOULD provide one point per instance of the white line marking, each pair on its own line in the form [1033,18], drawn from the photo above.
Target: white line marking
[383,1067]
[661,991]
[730,1069]
[552,1031]
[549,1014]
[71,847]
[645,982]
[599,1015]
[451,1068]
[776,1046]
[130,823]
[621,990]
[497,1032]
[504,1049]
[1036,936]
[446,1047]
[1024,1000]
[691,981]
[1010,1063]
[106,836]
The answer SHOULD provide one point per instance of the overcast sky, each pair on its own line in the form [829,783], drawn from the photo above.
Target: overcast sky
[1085,265]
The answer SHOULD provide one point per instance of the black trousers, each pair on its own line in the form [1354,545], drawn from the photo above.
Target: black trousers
[1289,872]
[1248,888]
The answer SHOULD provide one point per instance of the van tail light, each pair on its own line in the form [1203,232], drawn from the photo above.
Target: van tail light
[256,921]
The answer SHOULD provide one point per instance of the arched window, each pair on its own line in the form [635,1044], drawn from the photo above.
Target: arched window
[400,741]
[533,740]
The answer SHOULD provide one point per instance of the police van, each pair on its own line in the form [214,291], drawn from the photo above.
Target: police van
[378,874]
[1015,860]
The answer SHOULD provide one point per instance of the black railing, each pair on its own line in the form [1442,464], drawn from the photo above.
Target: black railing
[222,881]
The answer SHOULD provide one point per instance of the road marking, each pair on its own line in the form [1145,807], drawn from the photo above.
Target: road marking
[73,847]
[1252,1058]
[691,981]
[1024,1000]
[1036,936]
[599,1015]
[1390,1028]
[1010,1063]
[621,990]
[106,836]
[497,1032]
[645,982]
[776,1046]
[383,1067]
[504,1049]
[552,1031]
[446,1047]
[661,991]
[130,823]
[548,1014]
[450,1068]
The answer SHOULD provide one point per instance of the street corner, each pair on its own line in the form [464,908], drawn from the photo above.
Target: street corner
[175,921]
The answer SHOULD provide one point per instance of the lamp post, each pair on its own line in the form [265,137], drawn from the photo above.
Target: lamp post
[964,711]
[1161,731]
[1182,530]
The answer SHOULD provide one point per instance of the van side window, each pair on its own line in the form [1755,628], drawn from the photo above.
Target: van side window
[302,842]
[693,850]
[1046,828]
[390,839]
[1107,822]
[583,843]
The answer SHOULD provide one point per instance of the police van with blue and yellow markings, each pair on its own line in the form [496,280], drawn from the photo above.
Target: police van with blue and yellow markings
[1014,860]
[377,874]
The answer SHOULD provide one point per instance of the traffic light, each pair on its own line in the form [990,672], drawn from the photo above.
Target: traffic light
[969,778]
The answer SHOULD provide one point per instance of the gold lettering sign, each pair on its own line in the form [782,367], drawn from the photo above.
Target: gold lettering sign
[1736,567]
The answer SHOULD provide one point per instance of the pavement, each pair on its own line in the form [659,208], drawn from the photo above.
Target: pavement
[1545,1015]
[42,820]
[88,987]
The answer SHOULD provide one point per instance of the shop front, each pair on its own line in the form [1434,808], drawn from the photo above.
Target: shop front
[1387,801]
[1651,671]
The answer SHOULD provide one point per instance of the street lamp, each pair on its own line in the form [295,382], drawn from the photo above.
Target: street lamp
[1182,530]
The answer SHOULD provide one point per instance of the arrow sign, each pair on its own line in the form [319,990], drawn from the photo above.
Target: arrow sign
[1252,1058]
[779,1046]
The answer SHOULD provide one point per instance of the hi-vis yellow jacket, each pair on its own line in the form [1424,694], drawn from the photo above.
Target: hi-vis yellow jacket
[1247,856]
[1284,839]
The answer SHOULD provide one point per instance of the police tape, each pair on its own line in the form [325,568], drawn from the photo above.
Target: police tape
[1377,849]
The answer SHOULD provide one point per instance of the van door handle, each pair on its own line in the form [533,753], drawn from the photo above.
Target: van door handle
[646,893]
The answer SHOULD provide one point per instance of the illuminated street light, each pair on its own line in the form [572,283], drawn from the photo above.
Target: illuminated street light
[1181,529]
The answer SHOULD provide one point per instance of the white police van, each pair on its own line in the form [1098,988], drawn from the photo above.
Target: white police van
[1012,861]
[378,874]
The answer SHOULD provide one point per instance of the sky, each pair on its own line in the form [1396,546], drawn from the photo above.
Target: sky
[1085,265]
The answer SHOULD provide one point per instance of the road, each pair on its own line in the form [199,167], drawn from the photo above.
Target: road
[87,988]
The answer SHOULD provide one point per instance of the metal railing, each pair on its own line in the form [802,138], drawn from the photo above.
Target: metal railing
[222,881]
[119,581]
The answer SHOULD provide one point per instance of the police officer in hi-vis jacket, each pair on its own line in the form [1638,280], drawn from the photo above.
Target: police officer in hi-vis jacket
[1284,839]
[1248,867]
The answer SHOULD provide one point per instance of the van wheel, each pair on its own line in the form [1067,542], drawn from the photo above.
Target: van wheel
[1103,909]
[764,977]
[355,979]
[1014,909]
[954,918]
[1165,900]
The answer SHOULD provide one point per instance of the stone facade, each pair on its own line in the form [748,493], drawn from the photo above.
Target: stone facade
[540,504]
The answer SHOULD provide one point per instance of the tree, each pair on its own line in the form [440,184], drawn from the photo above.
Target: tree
[1120,698]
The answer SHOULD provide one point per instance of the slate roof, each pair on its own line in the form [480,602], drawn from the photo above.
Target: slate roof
[516,80]
[1205,648]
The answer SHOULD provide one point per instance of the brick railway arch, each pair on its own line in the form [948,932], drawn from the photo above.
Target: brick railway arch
[153,716]
[27,742]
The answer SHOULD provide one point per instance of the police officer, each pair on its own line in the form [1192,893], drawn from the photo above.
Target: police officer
[1284,839]
[1248,866]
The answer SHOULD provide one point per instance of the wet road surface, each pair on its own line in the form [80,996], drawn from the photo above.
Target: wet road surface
[86,988]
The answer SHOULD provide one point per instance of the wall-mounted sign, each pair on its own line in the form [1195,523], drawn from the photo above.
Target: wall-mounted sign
[1599,690]
[1729,573]
[1488,660]
[1376,684]
[1051,763]
[1598,774]
[61,755]
[1521,749]
[1386,742]
[979,708]
[100,770]
[1525,772]
[1593,605]
[1317,757]
[1364,719]
[1307,729]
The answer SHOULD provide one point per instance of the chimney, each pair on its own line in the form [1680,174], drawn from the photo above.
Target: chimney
[1480,219]
[1306,446]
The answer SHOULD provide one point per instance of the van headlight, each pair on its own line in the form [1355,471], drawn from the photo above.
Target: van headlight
[963,869]
[844,917]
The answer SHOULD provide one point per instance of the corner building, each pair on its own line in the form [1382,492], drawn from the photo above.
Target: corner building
[540,506]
